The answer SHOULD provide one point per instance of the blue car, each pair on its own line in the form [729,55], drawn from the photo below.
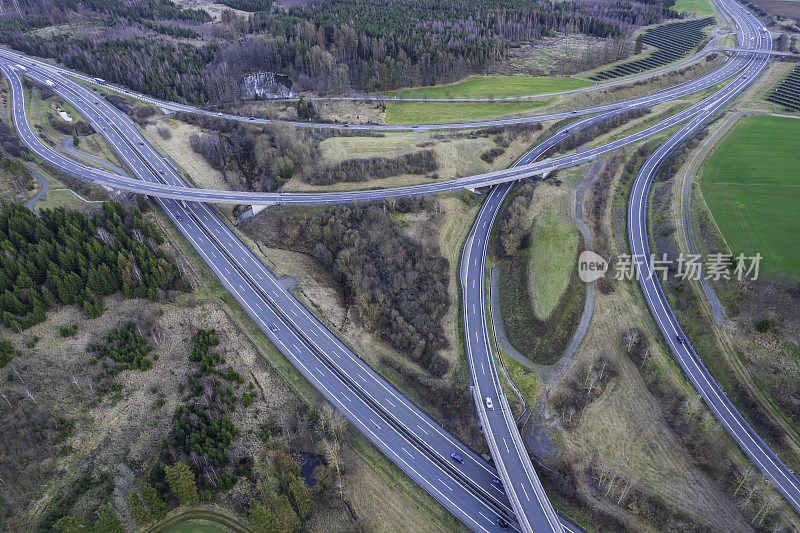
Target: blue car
[497,483]
[457,457]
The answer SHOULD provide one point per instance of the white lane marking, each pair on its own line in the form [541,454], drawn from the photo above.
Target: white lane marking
[506,443]
[422,429]
[525,491]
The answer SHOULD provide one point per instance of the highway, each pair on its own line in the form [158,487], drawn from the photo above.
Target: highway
[708,80]
[748,440]
[411,439]
[508,450]
[407,436]
[67,89]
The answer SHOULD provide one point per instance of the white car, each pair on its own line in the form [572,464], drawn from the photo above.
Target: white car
[489,404]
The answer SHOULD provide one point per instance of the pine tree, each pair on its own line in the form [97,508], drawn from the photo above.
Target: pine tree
[301,495]
[107,523]
[137,509]
[181,480]
[158,509]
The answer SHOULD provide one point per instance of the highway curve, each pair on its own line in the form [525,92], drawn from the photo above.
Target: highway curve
[748,440]
[407,436]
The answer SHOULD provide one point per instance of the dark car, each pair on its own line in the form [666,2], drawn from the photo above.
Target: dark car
[502,522]
[178,217]
[457,457]
[273,328]
[497,483]
[680,339]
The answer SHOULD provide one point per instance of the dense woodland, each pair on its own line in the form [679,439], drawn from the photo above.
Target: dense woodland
[65,257]
[330,46]
[397,284]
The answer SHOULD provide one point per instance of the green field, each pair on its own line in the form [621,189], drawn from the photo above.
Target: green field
[494,87]
[553,248]
[433,112]
[751,184]
[700,8]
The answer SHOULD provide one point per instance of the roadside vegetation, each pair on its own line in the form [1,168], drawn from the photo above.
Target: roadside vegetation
[540,305]
[752,350]
[106,440]
[442,112]
[492,87]
[629,434]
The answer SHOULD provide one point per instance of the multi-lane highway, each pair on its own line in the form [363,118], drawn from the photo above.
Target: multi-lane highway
[691,87]
[754,446]
[408,437]
[412,440]
[67,89]
[499,425]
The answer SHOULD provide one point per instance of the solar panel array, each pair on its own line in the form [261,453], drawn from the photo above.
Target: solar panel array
[787,93]
[671,42]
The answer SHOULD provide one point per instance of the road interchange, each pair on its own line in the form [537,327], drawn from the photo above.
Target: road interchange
[196,220]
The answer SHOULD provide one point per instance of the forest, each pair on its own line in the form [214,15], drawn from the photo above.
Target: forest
[329,46]
[65,257]
[397,284]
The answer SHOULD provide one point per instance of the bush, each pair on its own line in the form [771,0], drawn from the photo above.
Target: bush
[68,331]
[126,348]
[763,326]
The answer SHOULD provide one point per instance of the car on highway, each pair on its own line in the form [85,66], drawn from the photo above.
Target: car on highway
[178,217]
[497,483]
[273,328]
[346,125]
[502,522]
[415,125]
[680,339]
[489,404]
[457,457]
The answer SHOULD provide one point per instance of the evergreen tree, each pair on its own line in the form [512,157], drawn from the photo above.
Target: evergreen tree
[181,481]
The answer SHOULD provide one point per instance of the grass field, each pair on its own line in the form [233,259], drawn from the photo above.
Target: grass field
[700,8]
[553,248]
[493,87]
[431,112]
[751,185]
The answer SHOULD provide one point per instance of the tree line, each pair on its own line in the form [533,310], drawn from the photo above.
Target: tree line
[65,257]
[329,46]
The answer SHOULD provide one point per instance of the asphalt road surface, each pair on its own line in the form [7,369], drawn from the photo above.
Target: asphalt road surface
[372,405]
[411,439]
[754,446]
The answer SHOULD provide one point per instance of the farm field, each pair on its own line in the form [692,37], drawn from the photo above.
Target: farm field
[493,87]
[752,188]
[431,112]
[696,7]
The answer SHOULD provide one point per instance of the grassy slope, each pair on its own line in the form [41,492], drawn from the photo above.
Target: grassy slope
[429,112]
[553,249]
[751,185]
[494,86]
[700,8]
